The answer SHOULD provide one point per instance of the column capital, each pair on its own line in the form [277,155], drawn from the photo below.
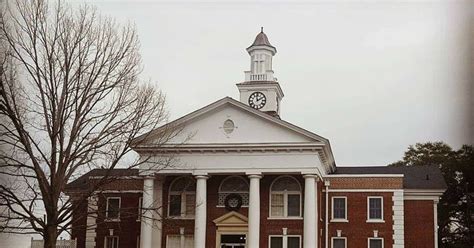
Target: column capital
[201,177]
[310,176]
[255,176]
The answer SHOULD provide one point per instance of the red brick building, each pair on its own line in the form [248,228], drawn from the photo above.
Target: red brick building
[237,175]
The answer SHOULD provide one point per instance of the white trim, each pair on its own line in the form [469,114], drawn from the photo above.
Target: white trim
[435,224]
[107,218]
[281,236]
[285,218]
[345,209]
[398,217]
[379,238]
[364,175]
[421,194]
[363,190]
[333,238]
[285,199]
[381,209]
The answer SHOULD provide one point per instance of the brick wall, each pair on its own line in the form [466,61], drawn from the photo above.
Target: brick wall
[366,182]
[127,229]
[79,222]
[357,230]
[419,225]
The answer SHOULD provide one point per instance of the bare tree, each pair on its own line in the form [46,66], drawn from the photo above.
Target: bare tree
[70,100]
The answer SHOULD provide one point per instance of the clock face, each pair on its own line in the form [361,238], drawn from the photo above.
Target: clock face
[257,100]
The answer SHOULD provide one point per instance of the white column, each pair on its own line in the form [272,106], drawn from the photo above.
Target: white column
[200,215]
[309,232]
[158,211]
[253,238]
[435,220]
[147,213]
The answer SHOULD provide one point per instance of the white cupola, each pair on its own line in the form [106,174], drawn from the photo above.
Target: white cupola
[261,90]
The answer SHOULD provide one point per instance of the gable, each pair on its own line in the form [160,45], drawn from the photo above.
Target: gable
[230,122]
[231,219]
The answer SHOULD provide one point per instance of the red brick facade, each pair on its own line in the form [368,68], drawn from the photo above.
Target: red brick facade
[418,216]
[419,230]
[357,230]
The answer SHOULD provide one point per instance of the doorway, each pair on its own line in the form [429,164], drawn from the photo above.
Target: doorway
[233,241]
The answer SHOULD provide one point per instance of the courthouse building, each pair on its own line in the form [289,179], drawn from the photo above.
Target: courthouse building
[239,175]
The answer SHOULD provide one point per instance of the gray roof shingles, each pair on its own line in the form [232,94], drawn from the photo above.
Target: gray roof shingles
[415,177]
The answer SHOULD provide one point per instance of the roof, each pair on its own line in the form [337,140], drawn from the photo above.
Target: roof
[228,100]
[82,182]
[415,177]
[261,40]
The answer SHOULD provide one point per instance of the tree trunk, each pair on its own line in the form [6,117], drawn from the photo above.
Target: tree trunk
[50,237]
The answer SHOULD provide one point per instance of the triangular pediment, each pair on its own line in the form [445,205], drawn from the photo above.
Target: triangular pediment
[231,219]
[228,121]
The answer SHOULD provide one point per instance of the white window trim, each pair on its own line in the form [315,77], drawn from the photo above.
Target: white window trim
[281,236]
[107,208]
[113,236]
[182,238]
[333,238]
[183,201]
[345,208]
[381,220]
[285,200]
[368,241]
[232,192]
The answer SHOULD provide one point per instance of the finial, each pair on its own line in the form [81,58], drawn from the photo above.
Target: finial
[261,29]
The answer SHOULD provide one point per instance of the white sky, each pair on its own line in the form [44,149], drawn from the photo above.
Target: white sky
[372,77]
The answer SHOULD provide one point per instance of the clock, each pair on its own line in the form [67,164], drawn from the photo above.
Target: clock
[233,202]
[257,100]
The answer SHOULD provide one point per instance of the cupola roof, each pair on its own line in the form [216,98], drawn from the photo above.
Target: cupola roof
[261,40]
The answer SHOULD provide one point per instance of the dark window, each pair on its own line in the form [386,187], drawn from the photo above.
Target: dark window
[111,242]
[375,243]
[293,205]
[293,242]
[276,242]
[375,208]
[113,208]
[339,243]
[175,205]
[339,208]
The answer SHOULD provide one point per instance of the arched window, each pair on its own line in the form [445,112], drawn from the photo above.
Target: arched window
[285,197]
[182,198]
[234,185]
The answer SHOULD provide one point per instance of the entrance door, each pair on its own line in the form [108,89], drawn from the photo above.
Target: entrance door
[233,241]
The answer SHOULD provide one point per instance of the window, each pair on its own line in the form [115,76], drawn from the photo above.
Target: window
[375,208]
[291,241]
[182,198]
[113,208]
[173,241]
[234,185]
[375,242]
[111,242]
[339,208]
[338,242]
[285,198]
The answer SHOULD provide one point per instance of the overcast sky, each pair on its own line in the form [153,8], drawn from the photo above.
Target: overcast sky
[371,77]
